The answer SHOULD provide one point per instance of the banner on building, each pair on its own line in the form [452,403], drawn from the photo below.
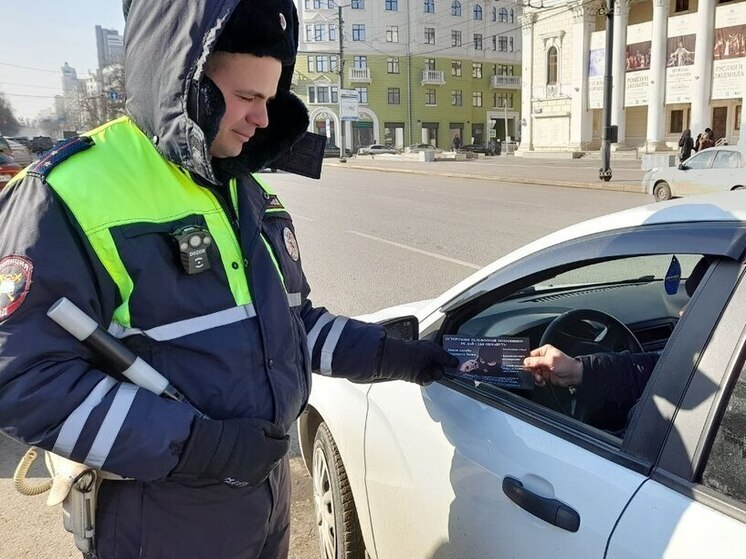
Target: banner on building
[680,50]
[637,57]
[729,52]
[596,66]
[349,105]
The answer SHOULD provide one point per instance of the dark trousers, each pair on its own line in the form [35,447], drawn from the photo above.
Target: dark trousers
[165,520]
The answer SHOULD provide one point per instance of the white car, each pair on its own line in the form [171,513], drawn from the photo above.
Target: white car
[712,170]
[377,149]
[20,153]
[462,469]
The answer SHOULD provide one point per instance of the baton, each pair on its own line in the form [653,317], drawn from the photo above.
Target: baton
[85,329]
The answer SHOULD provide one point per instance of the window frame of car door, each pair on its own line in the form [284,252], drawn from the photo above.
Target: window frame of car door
[696,424]
[638,455]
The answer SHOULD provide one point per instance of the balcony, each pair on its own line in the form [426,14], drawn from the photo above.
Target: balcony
[433,77]
[359,75]
[505,82]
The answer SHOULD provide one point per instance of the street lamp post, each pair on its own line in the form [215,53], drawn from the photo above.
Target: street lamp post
[342,149]
[609,133]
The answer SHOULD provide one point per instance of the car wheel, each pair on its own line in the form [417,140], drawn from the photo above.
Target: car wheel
[339,528]
[662,192]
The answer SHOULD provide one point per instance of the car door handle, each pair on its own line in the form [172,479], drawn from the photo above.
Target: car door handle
[549,510]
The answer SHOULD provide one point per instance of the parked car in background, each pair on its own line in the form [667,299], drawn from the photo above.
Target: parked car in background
[477,148]
[465,468]
[8,169]
[20,153]
[333,151]
[416,148]
[24,140]
[714,169]
[377,149]
[40,144]
[5,146]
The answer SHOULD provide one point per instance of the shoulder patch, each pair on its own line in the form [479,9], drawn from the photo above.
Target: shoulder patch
[59,153]
[15,281]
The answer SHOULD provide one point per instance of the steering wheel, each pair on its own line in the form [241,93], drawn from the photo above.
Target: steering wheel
[563,333]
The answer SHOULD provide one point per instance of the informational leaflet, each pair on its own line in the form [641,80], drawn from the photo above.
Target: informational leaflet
[497,361]
[637,63]
[680,52]
[596,66]
[729,52]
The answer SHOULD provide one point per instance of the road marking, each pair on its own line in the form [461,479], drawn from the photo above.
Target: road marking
[294,215]
[418,250]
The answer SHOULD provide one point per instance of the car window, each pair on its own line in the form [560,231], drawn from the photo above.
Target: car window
[4,159]
[725,471]
[701,160]
[643,295]
[727,160]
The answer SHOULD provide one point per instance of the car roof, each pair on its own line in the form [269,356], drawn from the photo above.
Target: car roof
[721,207]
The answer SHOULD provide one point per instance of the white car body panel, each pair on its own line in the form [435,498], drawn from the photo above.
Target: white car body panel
[683,528]
[423,443]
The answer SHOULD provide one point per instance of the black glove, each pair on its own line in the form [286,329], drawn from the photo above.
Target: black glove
[421,361]
[240,452]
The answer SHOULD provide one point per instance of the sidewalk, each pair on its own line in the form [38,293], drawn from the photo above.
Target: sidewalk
[573,173]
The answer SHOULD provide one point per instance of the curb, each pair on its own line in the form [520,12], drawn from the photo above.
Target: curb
[618,187]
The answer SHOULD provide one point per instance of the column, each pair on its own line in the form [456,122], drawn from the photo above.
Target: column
[581,125]
[527,81]
[619,69]
[657,85]
[700,117]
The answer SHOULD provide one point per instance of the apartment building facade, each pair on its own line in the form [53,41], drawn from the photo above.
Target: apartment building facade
[676,64]
[425,70]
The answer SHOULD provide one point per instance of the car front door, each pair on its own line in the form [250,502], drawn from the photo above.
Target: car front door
[689,181]
[459,470]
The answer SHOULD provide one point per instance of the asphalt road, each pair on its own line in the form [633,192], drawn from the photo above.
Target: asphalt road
[368,240]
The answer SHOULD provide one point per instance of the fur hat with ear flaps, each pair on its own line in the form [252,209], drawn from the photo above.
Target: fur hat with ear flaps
[261,28]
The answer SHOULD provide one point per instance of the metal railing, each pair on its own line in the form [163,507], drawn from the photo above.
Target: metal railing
[505,82]
[359,75]
[433,77]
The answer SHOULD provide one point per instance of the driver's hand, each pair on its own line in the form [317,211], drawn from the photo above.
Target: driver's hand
[547,363]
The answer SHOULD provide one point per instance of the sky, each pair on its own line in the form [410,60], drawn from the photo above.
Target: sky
[43,35]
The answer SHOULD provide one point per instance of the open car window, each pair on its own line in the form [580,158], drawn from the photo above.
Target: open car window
[618,314]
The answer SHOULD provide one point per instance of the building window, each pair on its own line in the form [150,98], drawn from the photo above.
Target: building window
[477,12]
[358,31]
[510,44]
[392,5]
[682,5]
[429,6]
[456,68]
[456,98]
[552,66]
[362,94]
[476,70]
[738,117]
[494,42]
[357,4]
[318,32]
[311,64]
[334,66]
[322,63]
[309,32]
[512,15]
[477,41]
[392,65]
[476,99]
[430,97]
[677,122]
[394,96]
[429,35]
[430,64]
[360,62]
[392,33]
[494,13]
[455,8]
[502,44]
[332,31]
[335,94]
[504,70]
[502,100]
[503,18]
[455,38]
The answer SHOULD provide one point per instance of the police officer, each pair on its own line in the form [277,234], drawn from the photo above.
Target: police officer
[154,225]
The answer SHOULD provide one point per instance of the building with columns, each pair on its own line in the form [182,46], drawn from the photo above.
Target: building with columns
[677,64]
[425,70]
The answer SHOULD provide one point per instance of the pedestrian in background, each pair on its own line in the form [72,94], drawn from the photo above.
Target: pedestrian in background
[686,145]
[155,226]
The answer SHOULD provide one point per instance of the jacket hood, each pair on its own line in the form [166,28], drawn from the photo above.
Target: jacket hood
[167,43]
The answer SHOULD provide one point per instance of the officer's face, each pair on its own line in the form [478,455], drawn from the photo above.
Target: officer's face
[247,83]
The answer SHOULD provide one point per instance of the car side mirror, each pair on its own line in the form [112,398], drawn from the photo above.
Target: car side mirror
[683,167]
[405,328]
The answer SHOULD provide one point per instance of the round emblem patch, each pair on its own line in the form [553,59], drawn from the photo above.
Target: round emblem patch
[15,281]
[283,23]
[291,245]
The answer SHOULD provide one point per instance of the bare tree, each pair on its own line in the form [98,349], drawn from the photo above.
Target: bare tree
[8,123]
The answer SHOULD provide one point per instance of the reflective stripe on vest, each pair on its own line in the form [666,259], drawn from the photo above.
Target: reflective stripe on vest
[145,188]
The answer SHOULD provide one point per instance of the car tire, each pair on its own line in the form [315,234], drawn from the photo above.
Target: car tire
[340,536]
[739,187]
[662,192]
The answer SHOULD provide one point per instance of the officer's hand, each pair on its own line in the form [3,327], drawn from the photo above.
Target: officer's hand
[240,452]
[420,361]
[547,363]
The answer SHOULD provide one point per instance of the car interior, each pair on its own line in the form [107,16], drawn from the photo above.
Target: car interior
[623,305]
